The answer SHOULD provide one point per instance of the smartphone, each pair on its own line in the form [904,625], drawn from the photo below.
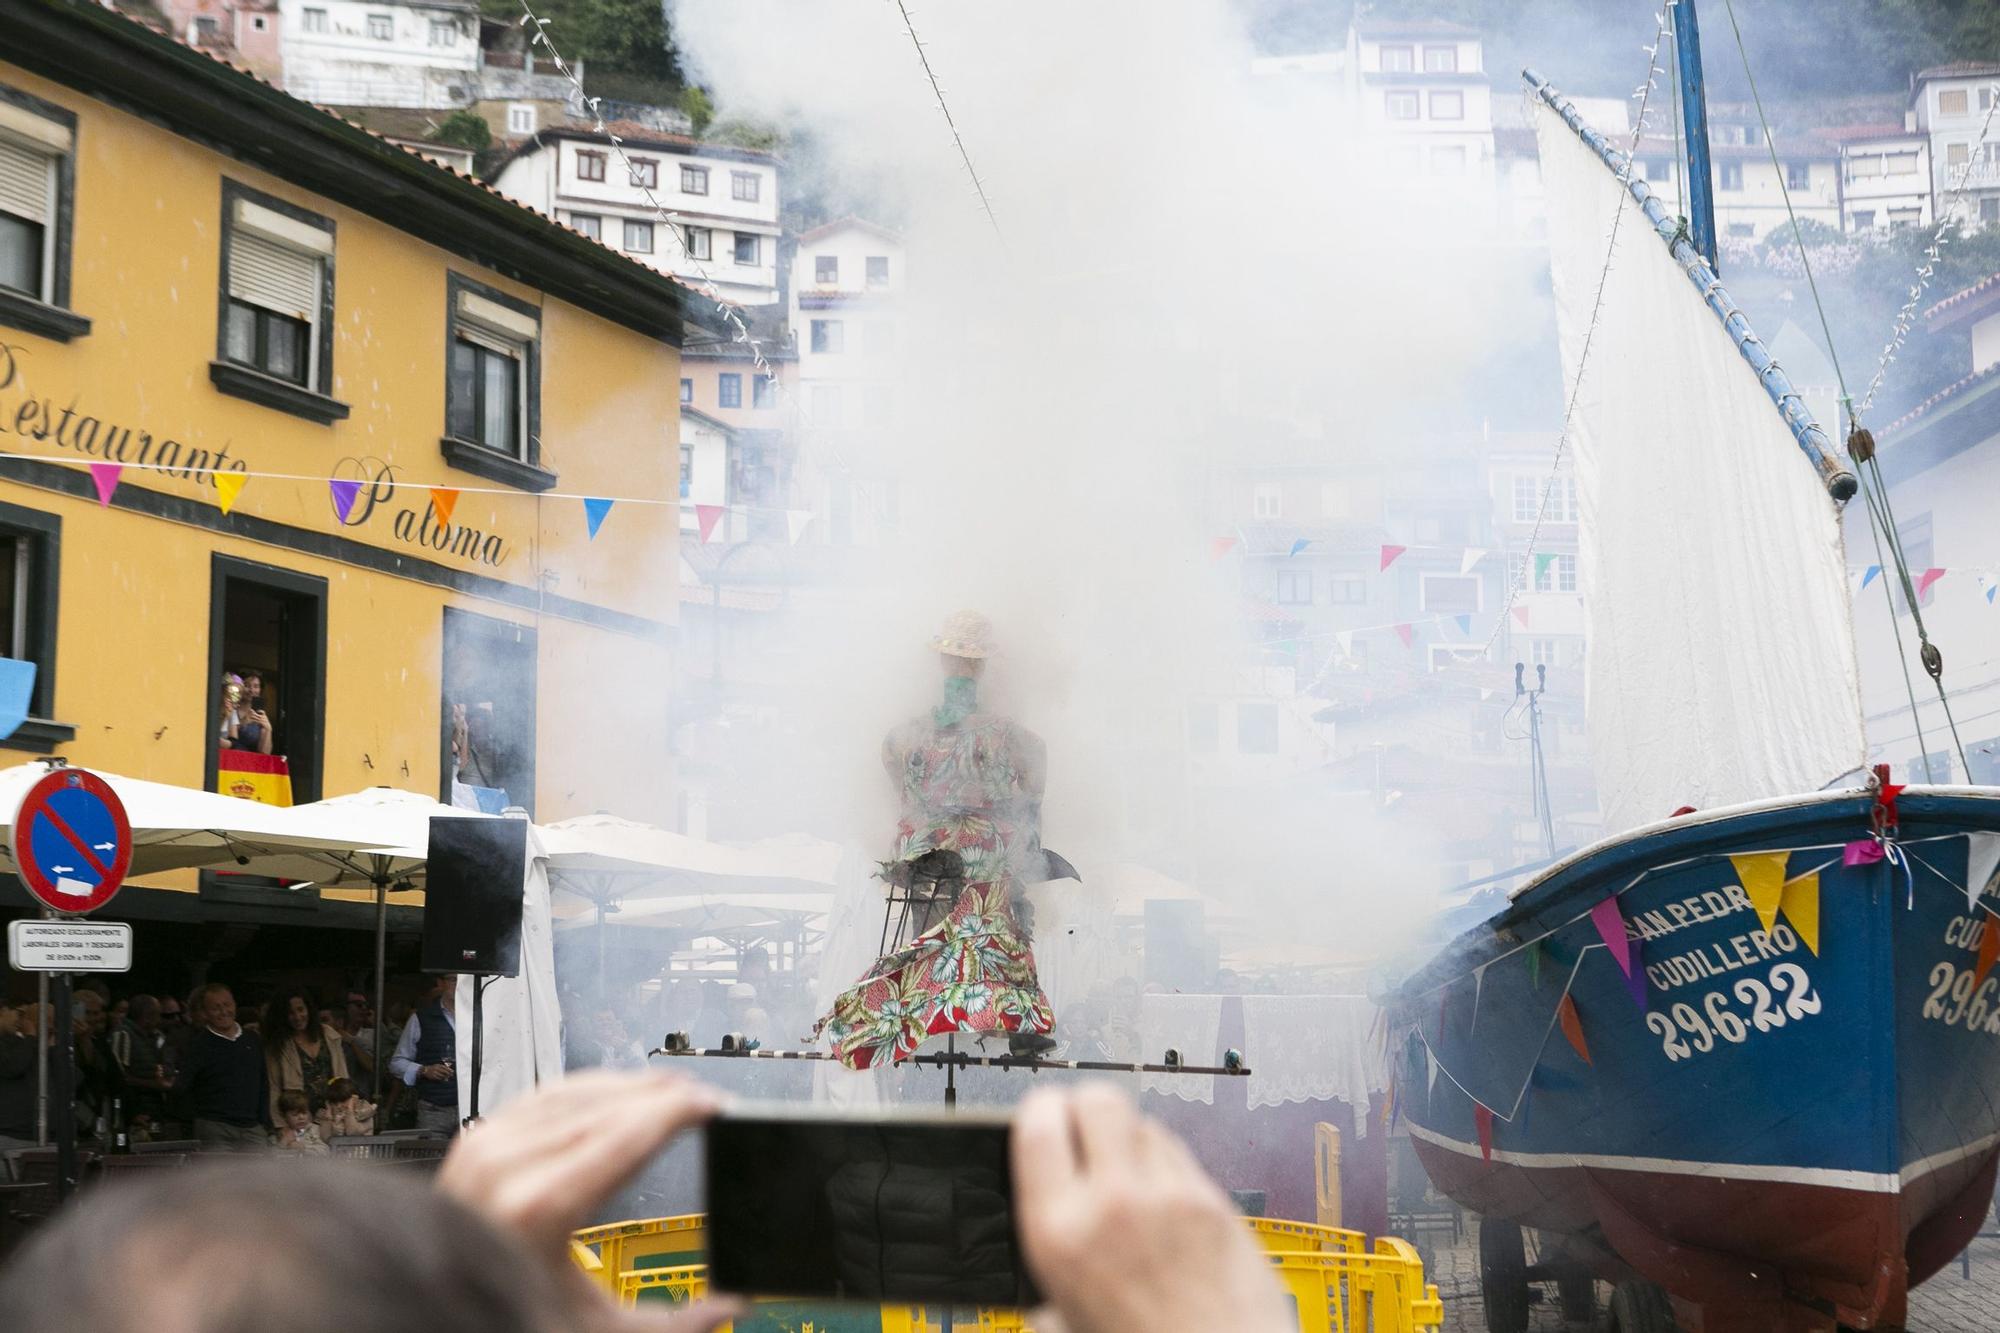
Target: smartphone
[885,1207]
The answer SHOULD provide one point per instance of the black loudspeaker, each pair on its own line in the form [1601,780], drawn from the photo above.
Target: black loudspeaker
[472,896]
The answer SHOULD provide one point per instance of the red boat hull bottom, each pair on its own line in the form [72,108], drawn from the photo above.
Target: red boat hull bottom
[1742,1255]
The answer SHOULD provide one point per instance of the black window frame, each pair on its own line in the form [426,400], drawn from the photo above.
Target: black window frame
[706,250]
[590,157]
[626,232]
[305,746]
[313,400]
[458,625]
[868,278]
[40,734]
[827,337]
[51,318]
[643,173]
[525,471]
[687,390]
[596,220]
[826,270]
[756,249]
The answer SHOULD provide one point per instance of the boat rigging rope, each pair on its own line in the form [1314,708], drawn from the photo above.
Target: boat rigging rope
[1861,446]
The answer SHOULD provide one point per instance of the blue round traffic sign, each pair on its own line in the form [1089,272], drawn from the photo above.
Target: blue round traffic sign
[72,843]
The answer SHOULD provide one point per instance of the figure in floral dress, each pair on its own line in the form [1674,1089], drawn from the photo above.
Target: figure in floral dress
[968,841]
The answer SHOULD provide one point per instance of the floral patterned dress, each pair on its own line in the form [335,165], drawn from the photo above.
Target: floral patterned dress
[969,784]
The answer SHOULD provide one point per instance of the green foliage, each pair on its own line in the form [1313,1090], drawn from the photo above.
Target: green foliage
[627,35]
[694,104]
[464,129]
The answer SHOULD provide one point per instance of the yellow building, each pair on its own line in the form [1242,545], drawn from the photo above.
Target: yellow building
[287,332]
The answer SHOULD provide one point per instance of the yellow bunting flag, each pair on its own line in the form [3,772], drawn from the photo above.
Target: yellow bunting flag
[1989,950]
[1801,906]
[1762,875]
[1572,1026]
[228,485]
[444,499]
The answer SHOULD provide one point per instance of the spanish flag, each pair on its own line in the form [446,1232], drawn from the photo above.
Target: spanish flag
[253,776]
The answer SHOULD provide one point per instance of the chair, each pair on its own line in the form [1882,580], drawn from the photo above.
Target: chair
[123,1168]
[363,1147]
[167,1146]
[420,1150]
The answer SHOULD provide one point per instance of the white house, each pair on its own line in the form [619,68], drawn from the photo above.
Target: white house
[343,53]
[846,276]
[1885,173]
[721,202]
[1950,104]
[1421,86]
[1942,463]
[1749,193]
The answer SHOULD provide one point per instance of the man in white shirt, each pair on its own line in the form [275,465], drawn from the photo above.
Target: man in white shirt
[426,1057]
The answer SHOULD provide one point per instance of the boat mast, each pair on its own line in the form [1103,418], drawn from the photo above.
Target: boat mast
[1694,127]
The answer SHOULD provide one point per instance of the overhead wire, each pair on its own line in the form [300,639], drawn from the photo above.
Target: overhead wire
[951,122]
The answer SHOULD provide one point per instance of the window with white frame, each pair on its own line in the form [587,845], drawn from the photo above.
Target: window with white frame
[1400,105]
[590,224]
[746,186]
[1555,573]
[644,172]
[277,277]
[1729,176]
[1398,59]
[746,247]
[1448,106]
[763,391]
[382,27]
[1527,499]
[687,467]
[1952,102]
[445,33]
[1347,590]
[829,336]
[1865,166]
[638,237]
[493,384]
[1906,217]
[694,180]
[520,118]
[1440,60]
[1900,164]
[1267,500]
[878,270]
[1450,594]
[1295,587]
[729,389]
[315,20]
[37,143]
[687,390]
[1798,175]
[700,242]
[826,270]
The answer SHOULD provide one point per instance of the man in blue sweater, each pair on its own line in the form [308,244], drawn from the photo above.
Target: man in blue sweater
[223,1081]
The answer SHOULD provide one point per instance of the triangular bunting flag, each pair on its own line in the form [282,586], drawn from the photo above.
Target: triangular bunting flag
[1535,964]
[1927,578]
[1861,852]
[1521,615]
[1482,1119]
[343,493]
[1991,588]
[796,521]
[444,501]
[1635,980]
[1300,545]
[1989,949]
[1220,546]
[1982,858]
[594,511]
[1868,574]
[1478,989]
[1572,1027]
[706,517]
[1801,906]
[1485,693]
[1464,623]
[1762,876]
[1344,640]
[1389,554]
[105,475]
[1473,555]
[228,485]
[1430,1059]
[1543,559]
[1610,923]
[1406,634]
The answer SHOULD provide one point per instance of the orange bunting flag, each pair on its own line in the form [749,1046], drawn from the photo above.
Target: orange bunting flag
[1989,950]
[1389,554]
[1220,546]
[228,485]
[1572,1026]
[1482,1119]
[1801,907]
[1762,875]
[444,499]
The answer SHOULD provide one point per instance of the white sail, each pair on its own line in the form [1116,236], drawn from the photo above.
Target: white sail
[1720,660]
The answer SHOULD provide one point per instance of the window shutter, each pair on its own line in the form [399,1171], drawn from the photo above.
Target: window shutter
[24,183]
[279,280]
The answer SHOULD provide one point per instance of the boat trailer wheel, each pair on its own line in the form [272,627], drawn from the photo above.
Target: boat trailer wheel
[1503,1275]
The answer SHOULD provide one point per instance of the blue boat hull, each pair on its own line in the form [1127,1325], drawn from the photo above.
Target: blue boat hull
[1781,1136]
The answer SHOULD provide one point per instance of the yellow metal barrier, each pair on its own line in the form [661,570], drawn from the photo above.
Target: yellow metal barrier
[1275,1233]
[1326,1173]
[656,1242]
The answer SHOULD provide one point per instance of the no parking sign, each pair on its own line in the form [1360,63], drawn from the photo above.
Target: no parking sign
[72,843]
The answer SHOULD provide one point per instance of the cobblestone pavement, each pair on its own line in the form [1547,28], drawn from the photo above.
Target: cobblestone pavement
[1951,1302]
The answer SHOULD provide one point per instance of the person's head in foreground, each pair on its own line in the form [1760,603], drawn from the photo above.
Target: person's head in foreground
[1120,1227]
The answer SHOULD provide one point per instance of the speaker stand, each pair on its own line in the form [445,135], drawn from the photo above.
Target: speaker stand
[478,1040]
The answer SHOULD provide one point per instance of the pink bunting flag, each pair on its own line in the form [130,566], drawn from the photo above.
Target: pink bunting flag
[1521,615]
[1220,546]
[1927,578]
[1389,554]
[1406,634]
[344,493]
[1482,1119]
[1610,923]
[105,476]
[706,517]
[1635,980]
[1861,852]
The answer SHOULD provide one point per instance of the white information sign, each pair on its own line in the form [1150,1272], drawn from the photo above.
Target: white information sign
[69,946]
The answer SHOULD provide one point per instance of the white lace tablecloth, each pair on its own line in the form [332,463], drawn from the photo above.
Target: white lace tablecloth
[1312,1048]
[1192,1025]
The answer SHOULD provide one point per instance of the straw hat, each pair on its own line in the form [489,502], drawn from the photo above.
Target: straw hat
[965,634]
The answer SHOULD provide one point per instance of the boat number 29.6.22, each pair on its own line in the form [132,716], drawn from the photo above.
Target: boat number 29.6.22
[1789,997]
[1953,999]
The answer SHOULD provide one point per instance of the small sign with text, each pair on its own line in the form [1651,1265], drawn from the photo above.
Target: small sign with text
[69,946]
